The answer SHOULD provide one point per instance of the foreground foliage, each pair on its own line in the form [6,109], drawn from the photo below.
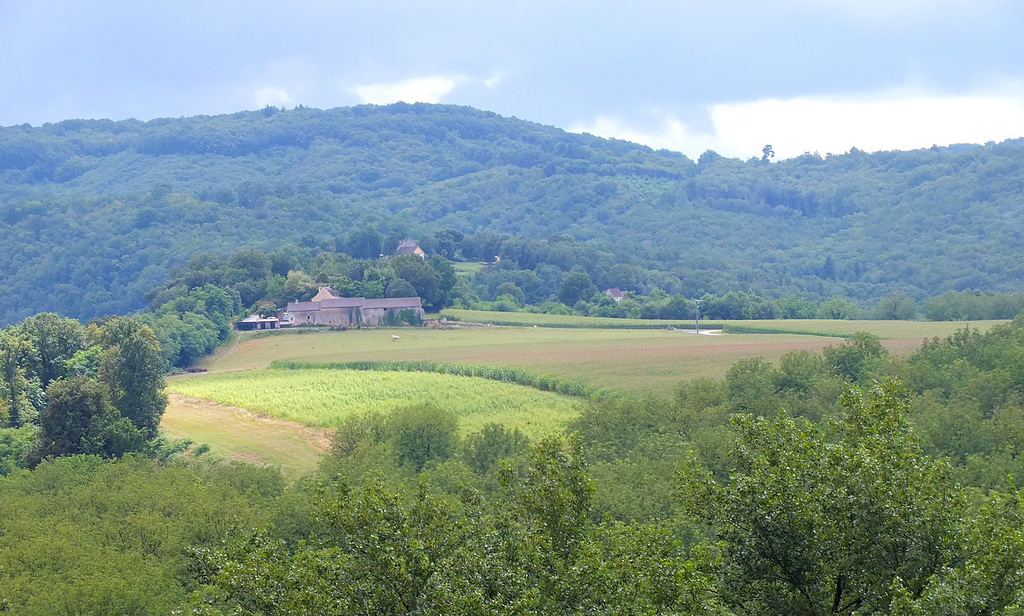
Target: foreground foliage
[530,550]
[83,536]
[839,521]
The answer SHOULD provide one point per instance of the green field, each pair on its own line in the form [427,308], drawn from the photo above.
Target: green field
[467,268]
[645,361]
[816,327]
[231,408]
[323,397]
[529,319]
[238,434]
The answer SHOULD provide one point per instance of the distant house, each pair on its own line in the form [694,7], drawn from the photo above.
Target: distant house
[325,293]
[615,293]
[409,247]
[255,321]
[326,308]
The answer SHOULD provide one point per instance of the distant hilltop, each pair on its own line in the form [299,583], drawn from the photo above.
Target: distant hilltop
[95,213]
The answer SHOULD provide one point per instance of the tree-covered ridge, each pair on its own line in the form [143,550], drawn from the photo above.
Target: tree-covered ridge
[96,213]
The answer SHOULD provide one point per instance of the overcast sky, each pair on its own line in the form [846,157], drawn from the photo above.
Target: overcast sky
[802,75]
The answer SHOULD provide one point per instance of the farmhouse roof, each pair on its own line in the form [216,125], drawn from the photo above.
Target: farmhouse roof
[303,306]
[342,302]
[325,293]
[615,293]
[408,247]
[355,302]
[393,302]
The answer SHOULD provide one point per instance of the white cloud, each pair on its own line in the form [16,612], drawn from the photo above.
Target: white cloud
[671,135]
[887,121]
[272,97]
[417,90]
[836,125]
[495,79]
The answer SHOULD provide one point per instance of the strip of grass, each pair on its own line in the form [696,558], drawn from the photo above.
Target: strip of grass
[733,328]
[505,375]
[467,268]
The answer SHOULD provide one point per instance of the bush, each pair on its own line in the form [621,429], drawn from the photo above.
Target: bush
[422,433]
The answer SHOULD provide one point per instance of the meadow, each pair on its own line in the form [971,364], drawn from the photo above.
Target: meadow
[325,397]
[234,433]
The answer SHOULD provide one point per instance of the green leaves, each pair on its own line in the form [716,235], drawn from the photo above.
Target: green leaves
[817,521]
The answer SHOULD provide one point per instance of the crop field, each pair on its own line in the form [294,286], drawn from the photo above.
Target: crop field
[644,361]
[323,397]
[238,408]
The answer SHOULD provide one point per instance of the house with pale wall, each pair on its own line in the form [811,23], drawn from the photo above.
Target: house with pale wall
[327,308]
[409,247]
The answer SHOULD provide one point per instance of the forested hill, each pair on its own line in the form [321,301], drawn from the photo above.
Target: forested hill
[95,213]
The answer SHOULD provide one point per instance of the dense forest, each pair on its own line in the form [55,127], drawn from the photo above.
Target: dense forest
[95,213]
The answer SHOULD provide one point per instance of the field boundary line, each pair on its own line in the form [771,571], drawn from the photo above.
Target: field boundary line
[754,329]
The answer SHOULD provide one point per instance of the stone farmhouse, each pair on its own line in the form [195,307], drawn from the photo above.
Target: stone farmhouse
[327,308]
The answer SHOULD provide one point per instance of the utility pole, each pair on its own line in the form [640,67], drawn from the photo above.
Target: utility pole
[696,320]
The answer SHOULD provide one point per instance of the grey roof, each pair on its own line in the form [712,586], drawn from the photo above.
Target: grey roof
[393,302]
[342,302]
[355,302]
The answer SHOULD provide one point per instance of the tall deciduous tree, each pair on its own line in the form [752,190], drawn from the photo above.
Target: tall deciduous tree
[133,370]
[54,341]
[79,419]
[423,433]
[420,275]
[576,287]
[15,350]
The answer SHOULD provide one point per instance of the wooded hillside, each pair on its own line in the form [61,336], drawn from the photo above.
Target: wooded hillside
[95,213]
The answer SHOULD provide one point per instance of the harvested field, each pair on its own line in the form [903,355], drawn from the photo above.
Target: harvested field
[239,434]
